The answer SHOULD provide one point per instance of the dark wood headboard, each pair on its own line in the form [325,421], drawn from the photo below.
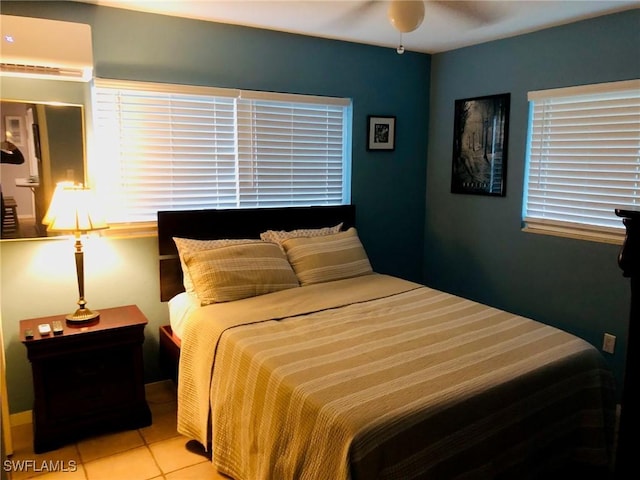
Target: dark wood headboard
[234,223]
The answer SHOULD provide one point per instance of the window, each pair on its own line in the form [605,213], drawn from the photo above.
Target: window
[167,147]
[583,157]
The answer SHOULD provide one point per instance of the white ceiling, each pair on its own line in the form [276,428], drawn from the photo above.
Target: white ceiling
[447,24]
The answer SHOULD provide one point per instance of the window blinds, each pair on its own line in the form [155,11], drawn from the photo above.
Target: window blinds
[290,153]
[188,148]
[583,157]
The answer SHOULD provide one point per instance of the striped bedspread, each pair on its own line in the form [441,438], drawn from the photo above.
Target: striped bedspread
[379,378]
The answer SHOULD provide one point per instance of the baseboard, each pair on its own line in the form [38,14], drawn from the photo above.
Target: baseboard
[20,418]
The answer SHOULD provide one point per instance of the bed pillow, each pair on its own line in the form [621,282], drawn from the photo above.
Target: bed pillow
[190,245]
[239,271]
[279,236]
[330,257]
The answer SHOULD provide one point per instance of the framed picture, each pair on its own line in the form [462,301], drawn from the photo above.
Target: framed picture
[480,135]
[14,129]
[381,133]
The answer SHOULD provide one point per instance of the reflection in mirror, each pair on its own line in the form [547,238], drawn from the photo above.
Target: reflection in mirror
[49,139]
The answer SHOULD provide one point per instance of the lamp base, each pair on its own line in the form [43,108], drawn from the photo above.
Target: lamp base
[82,315]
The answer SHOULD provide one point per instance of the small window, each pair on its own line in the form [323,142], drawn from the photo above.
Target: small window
[167,147]
[583,159]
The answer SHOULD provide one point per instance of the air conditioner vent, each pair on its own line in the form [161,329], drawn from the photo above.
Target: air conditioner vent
[39,71]
[42,48]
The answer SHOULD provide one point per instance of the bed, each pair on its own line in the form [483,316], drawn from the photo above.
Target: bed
[340,372]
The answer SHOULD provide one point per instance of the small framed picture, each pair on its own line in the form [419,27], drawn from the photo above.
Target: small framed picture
[381,133]
[14,130]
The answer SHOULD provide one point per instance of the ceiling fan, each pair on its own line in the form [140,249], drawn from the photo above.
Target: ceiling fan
[407,15]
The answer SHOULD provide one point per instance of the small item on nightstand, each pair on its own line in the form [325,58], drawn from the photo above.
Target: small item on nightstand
[44,329]
[57,327]
[28,334]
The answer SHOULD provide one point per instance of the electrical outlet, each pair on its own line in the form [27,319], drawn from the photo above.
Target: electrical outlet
[609,343]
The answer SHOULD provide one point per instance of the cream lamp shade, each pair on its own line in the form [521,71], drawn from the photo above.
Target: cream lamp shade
[74,209]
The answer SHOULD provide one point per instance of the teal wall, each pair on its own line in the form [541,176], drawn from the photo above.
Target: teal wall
[388,188]
[474,245]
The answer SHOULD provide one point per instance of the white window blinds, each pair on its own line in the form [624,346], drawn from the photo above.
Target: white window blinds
[583,158]
[176,148]
[290,153]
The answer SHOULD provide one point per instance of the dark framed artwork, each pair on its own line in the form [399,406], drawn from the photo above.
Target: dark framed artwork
[480,139]
[381,134]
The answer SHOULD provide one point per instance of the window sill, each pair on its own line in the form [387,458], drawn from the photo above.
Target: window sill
[576,233]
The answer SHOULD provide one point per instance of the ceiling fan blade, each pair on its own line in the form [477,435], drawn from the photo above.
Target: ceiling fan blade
[470,11]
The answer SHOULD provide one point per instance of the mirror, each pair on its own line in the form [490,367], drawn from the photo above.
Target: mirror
[49,139]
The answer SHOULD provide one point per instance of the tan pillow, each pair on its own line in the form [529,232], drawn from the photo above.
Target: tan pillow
[327,258]
[190,245]
[239,271]
[279,236]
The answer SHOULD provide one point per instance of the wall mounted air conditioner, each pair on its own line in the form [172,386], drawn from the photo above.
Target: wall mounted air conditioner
[41,48]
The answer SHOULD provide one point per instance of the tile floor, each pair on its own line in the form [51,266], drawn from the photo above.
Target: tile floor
[152,453]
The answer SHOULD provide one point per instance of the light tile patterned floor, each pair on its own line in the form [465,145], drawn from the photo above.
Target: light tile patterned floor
[154,452]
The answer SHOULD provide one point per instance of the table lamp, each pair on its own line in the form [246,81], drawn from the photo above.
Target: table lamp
[74,209]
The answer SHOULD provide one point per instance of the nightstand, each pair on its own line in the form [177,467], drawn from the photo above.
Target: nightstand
[89,379]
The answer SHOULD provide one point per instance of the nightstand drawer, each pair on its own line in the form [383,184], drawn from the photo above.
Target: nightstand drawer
[87,384]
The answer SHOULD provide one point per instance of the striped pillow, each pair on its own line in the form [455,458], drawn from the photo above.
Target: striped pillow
[327,258]
[190,245]
[239,271]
